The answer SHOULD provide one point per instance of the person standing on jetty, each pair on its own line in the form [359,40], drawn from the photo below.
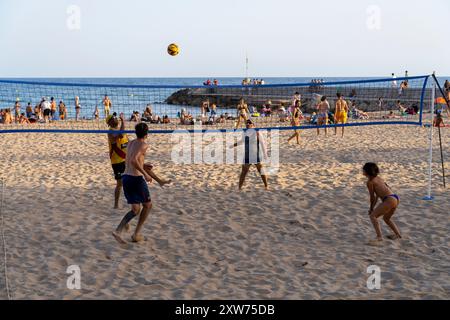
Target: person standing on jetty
[394,81]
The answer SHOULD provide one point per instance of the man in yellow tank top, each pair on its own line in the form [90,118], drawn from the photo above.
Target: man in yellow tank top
[117,151]
[340,113]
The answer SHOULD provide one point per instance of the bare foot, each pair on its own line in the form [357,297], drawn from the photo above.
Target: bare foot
[119,239]
[393,237]
[138,238]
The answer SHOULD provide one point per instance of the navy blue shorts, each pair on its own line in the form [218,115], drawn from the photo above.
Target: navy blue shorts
[119,169]
[135,189]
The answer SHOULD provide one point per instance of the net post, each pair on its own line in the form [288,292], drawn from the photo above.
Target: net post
[430,157]
[436,82]
[422,97]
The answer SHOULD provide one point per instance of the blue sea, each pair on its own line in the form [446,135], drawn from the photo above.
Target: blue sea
[128,101]
[199,81]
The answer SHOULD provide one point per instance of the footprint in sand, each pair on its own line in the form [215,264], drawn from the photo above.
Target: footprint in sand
[375,243]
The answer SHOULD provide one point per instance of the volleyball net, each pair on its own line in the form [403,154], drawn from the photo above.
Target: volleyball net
[40,106]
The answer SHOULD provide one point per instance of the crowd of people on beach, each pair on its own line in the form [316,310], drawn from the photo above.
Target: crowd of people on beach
[254,82]
[208,82]
[245,82]
[45,111]
[48,110]
[317,83]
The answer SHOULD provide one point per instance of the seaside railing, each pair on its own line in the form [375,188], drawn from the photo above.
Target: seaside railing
[172,107]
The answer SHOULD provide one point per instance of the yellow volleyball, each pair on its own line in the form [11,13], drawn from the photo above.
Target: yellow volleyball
[173,49]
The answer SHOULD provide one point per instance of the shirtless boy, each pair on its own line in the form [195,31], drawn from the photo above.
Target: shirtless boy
[134,181]
[322,114]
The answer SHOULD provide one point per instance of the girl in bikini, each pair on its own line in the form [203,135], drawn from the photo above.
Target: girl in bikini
[242,111]
[295,122]
[378,189]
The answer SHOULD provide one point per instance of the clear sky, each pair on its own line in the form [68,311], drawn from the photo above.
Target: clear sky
[128,38]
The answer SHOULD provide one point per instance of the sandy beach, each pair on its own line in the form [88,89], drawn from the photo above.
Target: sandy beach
[306,238]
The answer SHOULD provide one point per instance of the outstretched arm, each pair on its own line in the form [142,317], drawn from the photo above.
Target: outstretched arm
[122,122]
[149,169]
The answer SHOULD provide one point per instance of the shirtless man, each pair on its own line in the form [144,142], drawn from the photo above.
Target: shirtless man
[322,114]
[52,108]
[62,110]
[134,181]
[17,111]
[29,110]
[107,104]
[77,108]
[340,113]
